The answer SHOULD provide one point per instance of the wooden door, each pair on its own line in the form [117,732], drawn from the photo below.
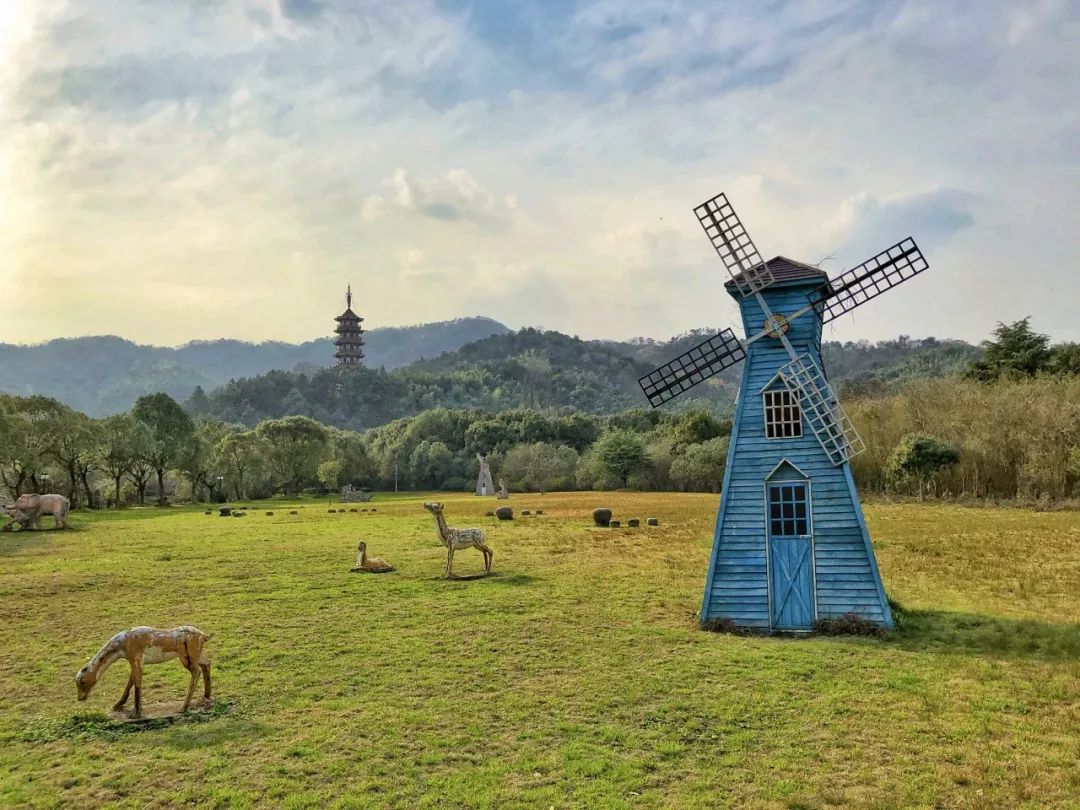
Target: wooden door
[791,556]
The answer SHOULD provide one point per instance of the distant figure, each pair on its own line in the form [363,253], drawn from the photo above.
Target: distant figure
[484,484]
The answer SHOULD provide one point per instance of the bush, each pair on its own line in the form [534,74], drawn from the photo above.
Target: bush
[850,624]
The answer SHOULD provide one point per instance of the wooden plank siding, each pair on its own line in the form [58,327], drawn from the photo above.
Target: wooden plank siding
[846,578]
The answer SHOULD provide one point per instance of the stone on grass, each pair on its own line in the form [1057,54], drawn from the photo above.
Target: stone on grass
[526,512]
[294,512]
[225,511]
[633,523]
[539,511]
[269,514]
[653,522]
[613,524]
[504,513]
[601,517]
[489,514]
[208,512]
[330,511]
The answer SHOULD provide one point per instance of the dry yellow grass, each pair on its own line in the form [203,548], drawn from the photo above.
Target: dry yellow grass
[575,677]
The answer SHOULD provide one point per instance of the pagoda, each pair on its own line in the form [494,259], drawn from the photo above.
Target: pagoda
[350,335]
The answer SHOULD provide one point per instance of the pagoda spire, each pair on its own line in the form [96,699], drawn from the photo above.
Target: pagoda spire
[348,297]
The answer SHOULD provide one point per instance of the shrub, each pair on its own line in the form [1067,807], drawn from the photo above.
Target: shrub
[850,624]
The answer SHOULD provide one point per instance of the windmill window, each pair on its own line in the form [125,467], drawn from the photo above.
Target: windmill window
[783,418]
[788,510]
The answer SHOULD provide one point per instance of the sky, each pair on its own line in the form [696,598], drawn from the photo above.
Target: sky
[196,169]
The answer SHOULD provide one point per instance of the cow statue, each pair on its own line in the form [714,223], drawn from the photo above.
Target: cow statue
[28,509]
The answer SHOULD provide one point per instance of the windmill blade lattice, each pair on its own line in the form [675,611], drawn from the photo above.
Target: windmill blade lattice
[734,245]
[870,279]
[838,437]
[705,360]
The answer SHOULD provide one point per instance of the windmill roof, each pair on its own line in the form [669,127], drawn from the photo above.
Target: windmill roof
[785,269]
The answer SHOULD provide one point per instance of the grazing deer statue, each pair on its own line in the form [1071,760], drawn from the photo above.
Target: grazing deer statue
[457,539]
[147,645]
[370,565]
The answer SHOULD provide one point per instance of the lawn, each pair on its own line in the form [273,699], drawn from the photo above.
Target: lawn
[573,677]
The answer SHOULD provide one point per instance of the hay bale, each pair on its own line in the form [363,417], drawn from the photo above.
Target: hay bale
[613,524]
[504,513]
[633,523]
[653,522]
[601,517]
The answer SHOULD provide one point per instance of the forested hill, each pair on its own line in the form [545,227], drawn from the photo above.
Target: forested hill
[103,375]
[543,370]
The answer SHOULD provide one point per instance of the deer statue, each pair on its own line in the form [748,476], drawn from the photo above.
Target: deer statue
[370,565]
[457,539]
[147,645]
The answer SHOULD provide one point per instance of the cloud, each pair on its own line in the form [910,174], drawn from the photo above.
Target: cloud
[537,161]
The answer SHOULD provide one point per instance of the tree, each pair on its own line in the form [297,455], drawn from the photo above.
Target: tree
[1017,352]
[919,457]
[123,440]
[238,456]
[350,449]
[701,466]
[1065,358]
[431,465]
[71,444]
[697,426]
[540,466]
[329,473]
[621,453]
[298,445]
[172,431]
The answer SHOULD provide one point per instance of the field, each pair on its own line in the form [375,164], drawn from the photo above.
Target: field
[574,677]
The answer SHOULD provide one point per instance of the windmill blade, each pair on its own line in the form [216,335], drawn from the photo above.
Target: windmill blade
[869,279]
[734,245]
[708,358]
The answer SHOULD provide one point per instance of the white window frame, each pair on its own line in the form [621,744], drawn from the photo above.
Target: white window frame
[782,414]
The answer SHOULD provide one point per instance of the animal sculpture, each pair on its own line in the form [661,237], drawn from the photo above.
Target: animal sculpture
[370,565]
[457,539]
[28,509]
[148,645]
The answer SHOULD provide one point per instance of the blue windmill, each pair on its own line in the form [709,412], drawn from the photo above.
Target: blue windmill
[791,544]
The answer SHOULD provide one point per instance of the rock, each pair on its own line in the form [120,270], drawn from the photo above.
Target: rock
[354,510]
[613,524]
[373,509]
[330,511]
[601,517]
[633,523]
[269,514]
[526,512]
[294,512]
[238,514]
[504,513]
[225,511]
[653,522]
[489,514]
[539,511]
[208,512]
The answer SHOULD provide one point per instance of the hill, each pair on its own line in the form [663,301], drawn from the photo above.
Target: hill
[102,375]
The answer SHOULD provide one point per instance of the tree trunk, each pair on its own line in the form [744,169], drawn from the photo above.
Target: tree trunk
[116,499]
[160,485]
[84,477]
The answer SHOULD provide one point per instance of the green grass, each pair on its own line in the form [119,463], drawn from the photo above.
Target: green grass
[574,677]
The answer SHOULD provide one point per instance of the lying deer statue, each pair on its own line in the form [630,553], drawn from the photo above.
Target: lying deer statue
[370,565]
[147,645]
[457,539]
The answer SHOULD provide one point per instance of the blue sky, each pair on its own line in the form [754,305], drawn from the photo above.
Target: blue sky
[221,168]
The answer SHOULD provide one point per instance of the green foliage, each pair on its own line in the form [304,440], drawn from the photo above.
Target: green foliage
[297,446]
[1018,351]
[540,467]
[329,473]
[621,453]
[701,467]
[172,430]
[921,458]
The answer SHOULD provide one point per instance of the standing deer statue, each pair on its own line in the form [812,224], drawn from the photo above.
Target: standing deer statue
[147,645]
[457,539]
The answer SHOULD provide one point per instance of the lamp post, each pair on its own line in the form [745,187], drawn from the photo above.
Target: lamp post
[221,488]
[45,482]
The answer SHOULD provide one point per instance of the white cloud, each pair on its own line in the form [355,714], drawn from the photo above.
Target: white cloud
[532,164]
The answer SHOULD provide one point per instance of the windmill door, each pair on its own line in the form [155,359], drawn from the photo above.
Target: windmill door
[791,556]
